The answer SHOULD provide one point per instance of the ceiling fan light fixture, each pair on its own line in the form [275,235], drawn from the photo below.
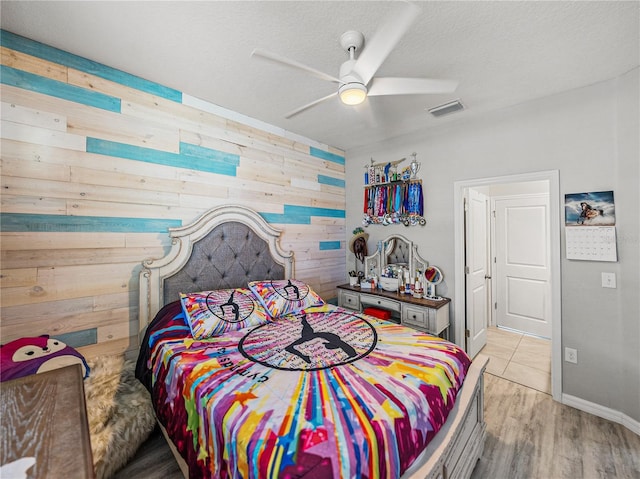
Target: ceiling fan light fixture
[352,93]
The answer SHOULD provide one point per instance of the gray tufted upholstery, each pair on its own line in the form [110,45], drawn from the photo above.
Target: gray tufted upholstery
[400,253]
[230,256]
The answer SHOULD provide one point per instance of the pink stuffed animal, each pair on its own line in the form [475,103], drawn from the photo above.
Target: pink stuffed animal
[26,356]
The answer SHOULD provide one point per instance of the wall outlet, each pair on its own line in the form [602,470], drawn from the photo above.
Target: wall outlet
[608,280]
[571,355]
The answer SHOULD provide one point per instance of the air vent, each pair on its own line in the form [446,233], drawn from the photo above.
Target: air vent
[446,108]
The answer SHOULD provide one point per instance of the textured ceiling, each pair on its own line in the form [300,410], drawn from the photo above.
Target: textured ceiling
[502,53]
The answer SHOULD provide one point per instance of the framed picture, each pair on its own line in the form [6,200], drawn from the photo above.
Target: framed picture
[589,209]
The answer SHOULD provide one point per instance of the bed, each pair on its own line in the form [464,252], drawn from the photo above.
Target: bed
[298,387]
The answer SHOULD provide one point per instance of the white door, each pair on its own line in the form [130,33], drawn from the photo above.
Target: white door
[476,246]
[522,265]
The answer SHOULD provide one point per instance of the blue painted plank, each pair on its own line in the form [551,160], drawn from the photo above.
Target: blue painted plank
[313,211]
[131,152]
[327,245]
[46,52]
[209,153]
[77,339]
[301,215]
[159,157]
[330,180]
[325,155]
[23,222]
[29,81]
[286,219]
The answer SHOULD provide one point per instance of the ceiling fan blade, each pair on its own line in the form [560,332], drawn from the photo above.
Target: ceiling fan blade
[410,86]
[383,41]
[258,52]
[366,112]
[309,105]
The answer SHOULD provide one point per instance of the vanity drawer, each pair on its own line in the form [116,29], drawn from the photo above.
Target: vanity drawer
[378,302]
[422,314]
[416,316]
[349,300]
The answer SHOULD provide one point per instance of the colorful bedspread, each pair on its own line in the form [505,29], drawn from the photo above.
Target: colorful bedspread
[324,393]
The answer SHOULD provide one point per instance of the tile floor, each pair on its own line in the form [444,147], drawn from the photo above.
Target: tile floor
[519,358]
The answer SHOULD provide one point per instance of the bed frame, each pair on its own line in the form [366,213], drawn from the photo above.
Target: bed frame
[229,246]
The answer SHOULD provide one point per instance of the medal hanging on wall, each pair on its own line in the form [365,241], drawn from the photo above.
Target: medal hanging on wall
[396,203]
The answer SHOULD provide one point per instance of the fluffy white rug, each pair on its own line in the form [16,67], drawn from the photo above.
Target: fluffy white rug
[119,411]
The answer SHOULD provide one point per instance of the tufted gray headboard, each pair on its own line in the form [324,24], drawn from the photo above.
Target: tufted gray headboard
[230,256]
[227,247]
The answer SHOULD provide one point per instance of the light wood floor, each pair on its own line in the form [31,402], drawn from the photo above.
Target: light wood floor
[529,436]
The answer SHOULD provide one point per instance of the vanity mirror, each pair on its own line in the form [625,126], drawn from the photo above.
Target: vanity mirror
[433,276]
[397,253]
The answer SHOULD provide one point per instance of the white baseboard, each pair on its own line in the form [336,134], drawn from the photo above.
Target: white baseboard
[603,412]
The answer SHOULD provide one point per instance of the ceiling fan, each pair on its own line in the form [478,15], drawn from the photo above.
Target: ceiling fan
[356,78]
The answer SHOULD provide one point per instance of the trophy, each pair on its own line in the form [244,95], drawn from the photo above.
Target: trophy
[415,166]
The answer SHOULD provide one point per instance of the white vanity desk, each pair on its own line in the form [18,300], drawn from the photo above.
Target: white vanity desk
[423,314]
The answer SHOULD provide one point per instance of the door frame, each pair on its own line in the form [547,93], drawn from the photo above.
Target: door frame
[555,207]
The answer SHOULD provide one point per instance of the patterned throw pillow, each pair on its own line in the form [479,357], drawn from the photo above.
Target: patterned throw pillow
[285,296]
[213,313]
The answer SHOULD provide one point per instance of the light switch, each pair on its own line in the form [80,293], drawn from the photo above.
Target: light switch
[608,280]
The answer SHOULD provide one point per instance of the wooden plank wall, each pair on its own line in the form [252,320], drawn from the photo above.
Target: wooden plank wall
[97,164]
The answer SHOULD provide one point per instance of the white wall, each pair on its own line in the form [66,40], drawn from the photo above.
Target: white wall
[591,136]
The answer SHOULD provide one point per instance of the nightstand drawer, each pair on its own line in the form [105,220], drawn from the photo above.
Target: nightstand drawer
[378,302]
[416,316]
[349,300]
